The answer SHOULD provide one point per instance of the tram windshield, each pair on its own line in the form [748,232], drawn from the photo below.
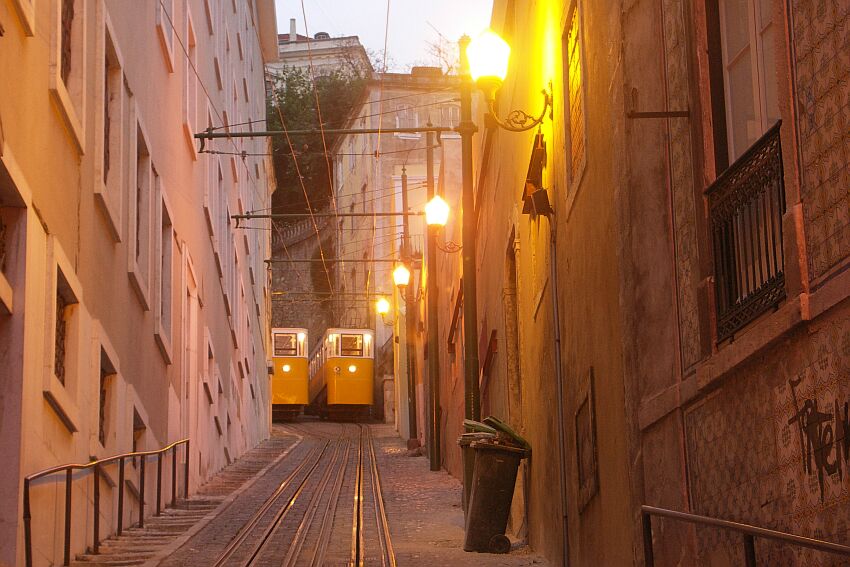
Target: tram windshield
[351,345]
[285,344]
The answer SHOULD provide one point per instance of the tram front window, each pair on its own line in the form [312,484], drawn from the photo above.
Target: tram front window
[352,345]
[285,344]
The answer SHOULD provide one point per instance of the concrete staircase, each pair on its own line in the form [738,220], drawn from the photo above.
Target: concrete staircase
[165,533]
[137,545]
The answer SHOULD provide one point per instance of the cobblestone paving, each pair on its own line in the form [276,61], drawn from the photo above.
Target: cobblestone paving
[423,507]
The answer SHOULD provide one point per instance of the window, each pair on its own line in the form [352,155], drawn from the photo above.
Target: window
[749,79]
[140,217]
[351,345]
[285,344]
[112,142]
[407,117]
[575,103]
[450,116]
[68,65]
[165,253]
[165,30]
[105,417]
[64,301]
[190,90]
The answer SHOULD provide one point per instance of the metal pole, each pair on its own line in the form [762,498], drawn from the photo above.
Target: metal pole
[434,449]
[186,474]
[27,524]
[120,495]
[96,520]
[69,476]
[648,555]
[466,129]
[559,381]
[750,550]
[159,483]
[470,297]
[174,475]
[409,314]
[142,491]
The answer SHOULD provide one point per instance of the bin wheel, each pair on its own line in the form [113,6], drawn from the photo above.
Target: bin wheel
[499,544]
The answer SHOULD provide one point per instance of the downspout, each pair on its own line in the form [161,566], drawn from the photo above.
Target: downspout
[559,381]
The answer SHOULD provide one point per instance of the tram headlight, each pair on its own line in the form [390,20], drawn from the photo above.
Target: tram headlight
[286,368]
[352,368]
[301,337]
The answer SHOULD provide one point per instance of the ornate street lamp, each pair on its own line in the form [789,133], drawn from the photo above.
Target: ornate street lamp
[382,306]
[436,212]
[483,61]
[401,276]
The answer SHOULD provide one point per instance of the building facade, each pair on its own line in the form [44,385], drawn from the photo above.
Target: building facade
[696,159]
[321,53]
[134,311]
[370,172]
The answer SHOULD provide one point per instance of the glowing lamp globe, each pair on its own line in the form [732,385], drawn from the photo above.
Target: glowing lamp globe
[488,56]
[382,306]
[401,275]
[437,212]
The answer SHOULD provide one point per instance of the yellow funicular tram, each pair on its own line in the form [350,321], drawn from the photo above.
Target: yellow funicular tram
[342,382]
[291,372]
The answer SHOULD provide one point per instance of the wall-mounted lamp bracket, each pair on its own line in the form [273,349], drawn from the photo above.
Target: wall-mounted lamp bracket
[517,120]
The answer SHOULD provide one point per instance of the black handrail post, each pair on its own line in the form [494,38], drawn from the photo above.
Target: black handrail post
[174,475]
[96,519]
[648,555]
[69,476]
[186,479]
[120,495]
[158,484]
[27,524]
[750,550]
[142,491]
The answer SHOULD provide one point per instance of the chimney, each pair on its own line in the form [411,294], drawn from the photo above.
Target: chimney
[293,36]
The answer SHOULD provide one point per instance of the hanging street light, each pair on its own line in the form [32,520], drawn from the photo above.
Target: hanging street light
[382,306]
[436,212]
[401,275]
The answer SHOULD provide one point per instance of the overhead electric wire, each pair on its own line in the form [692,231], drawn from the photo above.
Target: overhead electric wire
[331,188]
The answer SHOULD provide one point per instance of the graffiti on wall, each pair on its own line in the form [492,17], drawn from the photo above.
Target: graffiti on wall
[824,434]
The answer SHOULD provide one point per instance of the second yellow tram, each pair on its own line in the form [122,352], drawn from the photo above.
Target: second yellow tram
[342,382]
[290,389]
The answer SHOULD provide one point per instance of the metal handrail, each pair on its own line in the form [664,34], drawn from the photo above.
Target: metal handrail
[750,533]
[97,465]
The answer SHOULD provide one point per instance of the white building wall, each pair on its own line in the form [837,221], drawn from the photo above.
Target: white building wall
[154,282]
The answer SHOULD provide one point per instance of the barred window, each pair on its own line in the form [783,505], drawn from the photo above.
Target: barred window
[67,28]
[574,75]
[64,300]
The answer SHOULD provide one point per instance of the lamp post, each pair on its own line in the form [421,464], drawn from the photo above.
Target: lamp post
[436,215]
[484,61]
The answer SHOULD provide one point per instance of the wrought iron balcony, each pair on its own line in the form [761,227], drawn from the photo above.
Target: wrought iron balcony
[746,204]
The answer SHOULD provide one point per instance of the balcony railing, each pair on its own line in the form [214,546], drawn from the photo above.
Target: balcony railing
[98,468]
[746,204]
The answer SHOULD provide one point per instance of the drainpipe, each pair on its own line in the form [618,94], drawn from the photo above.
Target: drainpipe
[559,381]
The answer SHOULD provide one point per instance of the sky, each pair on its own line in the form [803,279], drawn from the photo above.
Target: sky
[412,23]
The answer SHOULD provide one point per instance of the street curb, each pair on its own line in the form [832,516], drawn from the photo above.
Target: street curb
[166,551]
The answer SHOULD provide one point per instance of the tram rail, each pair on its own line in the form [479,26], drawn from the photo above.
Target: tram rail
[340,468]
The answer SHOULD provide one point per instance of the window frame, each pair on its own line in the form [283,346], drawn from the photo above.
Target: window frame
[574,174]
[165,243]
[70,97]
[139,277]
[165,27]
[109,188]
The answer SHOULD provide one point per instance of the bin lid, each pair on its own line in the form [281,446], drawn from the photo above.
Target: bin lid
[493,445]
[507,430]
[473,425]
[468,438]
